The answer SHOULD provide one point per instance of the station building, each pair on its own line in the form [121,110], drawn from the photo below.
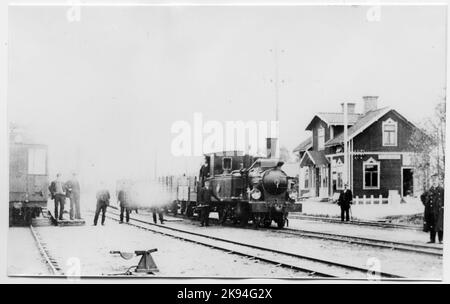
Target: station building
[380,155]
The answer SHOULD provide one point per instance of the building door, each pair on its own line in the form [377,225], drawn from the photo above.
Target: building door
[407,182]
[318,181]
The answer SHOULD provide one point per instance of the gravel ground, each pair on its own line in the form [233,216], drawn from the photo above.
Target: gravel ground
[24,257]
[396,262]
[174,258]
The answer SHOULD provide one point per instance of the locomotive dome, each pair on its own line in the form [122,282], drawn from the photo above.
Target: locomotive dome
[275,181]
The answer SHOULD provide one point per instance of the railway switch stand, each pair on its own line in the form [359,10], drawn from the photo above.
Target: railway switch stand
[146,263]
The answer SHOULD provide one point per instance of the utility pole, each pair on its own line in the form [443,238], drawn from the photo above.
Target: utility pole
[276,82]
[346,158]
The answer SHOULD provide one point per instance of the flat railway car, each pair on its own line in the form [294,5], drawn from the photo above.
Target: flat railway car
[28,181]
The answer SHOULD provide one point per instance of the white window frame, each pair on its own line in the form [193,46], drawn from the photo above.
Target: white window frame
[320,144]
[371,161]
[390,122]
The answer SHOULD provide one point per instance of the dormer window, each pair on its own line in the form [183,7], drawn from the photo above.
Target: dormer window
[320,139]
[390,132]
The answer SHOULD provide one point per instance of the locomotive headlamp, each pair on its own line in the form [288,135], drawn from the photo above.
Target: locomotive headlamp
[256,194]
[293,195]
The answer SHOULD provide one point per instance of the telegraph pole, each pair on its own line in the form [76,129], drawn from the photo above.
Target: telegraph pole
[346,158]
[276,82]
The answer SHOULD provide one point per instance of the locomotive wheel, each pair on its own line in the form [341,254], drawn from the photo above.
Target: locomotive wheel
[222,216]
[267,223]
[256,221]
[189,210]
[243,221]
[174,208]
[281,223]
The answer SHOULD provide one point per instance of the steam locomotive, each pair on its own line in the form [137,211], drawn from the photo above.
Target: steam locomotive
[250,188]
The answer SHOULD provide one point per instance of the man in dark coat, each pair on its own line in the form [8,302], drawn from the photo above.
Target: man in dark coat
[204,172]
[57,191]
[124,200]
[73,191]
[344,201]
[205,201]
[103,198]
[433,201]
[159,211]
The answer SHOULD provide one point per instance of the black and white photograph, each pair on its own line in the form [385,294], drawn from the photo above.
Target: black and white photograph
[226,141]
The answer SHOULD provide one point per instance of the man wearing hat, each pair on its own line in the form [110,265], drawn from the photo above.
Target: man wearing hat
[433,218]
[344,201]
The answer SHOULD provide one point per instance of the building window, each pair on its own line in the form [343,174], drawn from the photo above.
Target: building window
[324,176]
[371,174]
[306,178]
[389,133]
[37,161]
[340,181]
[320,138]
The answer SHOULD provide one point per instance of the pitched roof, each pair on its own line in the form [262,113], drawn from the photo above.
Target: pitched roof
[317,158]
[304,145]
[335,118]
[364,122]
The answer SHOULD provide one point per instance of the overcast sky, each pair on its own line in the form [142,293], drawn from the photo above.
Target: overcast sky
[104,91]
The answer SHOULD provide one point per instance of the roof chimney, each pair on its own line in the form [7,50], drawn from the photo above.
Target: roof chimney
[370,103]
[350,107]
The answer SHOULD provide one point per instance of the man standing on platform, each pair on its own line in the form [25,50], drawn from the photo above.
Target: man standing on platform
[103,198]
[58,194]
[433,201]
[73,187]
[124,199]
[205,201]
[344,201]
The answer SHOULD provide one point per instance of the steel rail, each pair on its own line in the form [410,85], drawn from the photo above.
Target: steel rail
[298,256]
[51,263]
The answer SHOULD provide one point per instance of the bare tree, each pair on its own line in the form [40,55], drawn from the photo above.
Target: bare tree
[284,154]
[428,142]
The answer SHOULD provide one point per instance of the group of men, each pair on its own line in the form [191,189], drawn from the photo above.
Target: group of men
[126,207]
[60,191]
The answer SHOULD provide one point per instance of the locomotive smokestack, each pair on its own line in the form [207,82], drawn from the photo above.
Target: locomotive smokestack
[271,147]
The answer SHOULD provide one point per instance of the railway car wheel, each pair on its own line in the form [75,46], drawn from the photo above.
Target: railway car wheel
[11,217]
[28,214]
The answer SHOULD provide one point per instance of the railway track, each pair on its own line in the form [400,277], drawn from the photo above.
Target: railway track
[377,243]
[355,222]
[311,266]
[50,262]
[401,246]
